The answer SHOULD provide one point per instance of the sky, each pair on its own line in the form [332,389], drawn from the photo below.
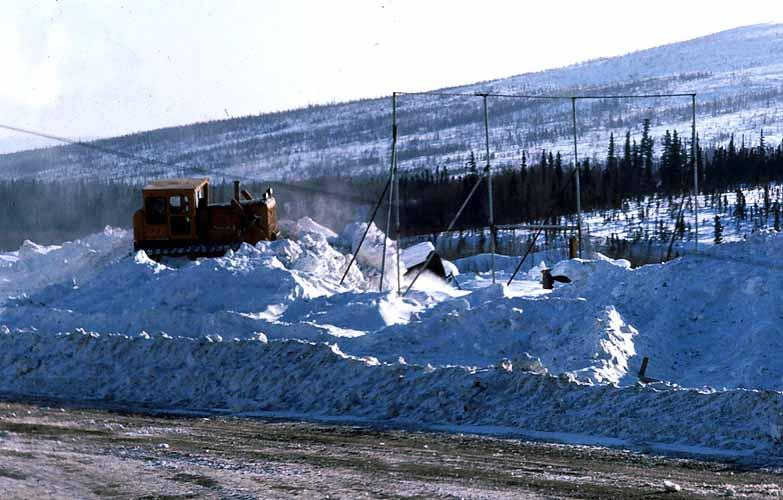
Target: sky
[86,69]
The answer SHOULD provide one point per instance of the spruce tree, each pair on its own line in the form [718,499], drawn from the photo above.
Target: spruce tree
[611,157]
[472,163]
[718,231]
[647,146]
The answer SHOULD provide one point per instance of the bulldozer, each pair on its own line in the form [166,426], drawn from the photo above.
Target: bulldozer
[176,219]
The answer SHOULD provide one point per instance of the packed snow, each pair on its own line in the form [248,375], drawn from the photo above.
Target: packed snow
[270,329]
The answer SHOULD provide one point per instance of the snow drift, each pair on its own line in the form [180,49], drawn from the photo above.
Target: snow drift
[269,328]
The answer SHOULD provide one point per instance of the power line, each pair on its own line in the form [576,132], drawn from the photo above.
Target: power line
[548,97]
[154,161]
[89,145]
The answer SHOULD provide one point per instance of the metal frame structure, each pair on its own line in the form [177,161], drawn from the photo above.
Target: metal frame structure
[393,182]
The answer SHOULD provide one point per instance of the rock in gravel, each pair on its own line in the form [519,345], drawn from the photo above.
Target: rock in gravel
[670,486]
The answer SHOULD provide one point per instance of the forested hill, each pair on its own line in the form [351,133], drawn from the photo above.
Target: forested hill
[736,74]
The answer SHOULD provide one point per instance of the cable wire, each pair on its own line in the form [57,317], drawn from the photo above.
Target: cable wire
[155,161]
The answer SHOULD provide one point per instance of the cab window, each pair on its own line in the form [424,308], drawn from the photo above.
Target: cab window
[179,204]
[155,210]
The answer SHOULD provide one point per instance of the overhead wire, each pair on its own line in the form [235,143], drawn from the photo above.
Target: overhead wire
[549,97]
[179,164]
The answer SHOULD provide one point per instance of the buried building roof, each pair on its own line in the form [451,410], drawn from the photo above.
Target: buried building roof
[417,254]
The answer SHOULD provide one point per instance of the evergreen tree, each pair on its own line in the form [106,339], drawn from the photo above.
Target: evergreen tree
[611,158]
[740,207]
[647,146]
[718,231]
[472,163]
[666,162]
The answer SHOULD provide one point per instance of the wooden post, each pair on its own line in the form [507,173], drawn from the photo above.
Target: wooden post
[578,187]
[643,369]
[396,191]
[694,152]
[573,247]
[489,189]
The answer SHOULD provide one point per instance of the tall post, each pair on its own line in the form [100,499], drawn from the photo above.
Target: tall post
[392,173]
[387,232]
[396,189]
[489,188]
[578,187]
[694,153]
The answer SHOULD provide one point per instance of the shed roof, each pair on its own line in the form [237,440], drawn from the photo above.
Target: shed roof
[170,184]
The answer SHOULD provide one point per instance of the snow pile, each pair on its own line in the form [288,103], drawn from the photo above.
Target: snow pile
[270,328]
[593,344]
[293,229]
[241,292]
[581,269]
[34,266]
[293,376]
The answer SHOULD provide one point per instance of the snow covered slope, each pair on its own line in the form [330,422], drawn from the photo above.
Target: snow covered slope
[270,329]
[736,74]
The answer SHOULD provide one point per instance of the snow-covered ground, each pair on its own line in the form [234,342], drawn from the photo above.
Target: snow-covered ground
[269,329]
[645,226]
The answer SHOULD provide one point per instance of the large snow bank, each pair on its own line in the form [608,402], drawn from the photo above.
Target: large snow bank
[241,292]
[319,379]
[34,266]
[439,355]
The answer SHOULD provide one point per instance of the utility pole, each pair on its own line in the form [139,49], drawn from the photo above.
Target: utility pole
[392,175]
[578,188]
[488,169]
[695,164]
[396,190]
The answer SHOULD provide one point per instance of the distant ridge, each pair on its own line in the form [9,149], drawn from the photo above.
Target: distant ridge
[737,74]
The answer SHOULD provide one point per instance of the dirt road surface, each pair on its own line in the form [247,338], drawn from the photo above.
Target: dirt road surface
[52,452]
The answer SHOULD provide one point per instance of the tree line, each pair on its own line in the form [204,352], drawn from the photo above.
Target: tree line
[540,186]
[543,186]
[49,212]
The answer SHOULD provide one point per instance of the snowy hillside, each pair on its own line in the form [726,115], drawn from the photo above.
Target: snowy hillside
[269,330]
[736,74]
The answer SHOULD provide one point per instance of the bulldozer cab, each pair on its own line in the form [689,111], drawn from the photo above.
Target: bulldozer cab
[170,208]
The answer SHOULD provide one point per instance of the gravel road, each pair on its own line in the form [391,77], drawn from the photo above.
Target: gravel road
[47,451]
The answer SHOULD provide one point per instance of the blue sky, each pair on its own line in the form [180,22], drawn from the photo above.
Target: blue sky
[99,68]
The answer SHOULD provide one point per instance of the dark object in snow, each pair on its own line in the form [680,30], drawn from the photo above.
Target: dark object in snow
[643,370]
[548,280]
[573,247]
[415,258]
